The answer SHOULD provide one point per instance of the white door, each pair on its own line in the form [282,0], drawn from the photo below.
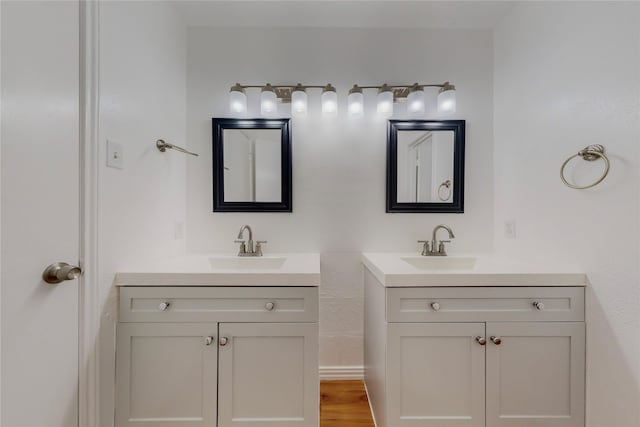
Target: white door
[268,375]
[166,374]
[535,375]
[436,375]
[39,209]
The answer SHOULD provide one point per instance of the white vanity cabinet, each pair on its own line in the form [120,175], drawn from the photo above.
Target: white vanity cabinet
[483,356]
[217,356]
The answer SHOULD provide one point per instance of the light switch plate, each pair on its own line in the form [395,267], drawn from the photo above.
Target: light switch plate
[115,155]
[510,229]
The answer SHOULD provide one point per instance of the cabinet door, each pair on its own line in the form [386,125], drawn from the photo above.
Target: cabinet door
[268,375]
[535,376]
[166,375]
[436,375]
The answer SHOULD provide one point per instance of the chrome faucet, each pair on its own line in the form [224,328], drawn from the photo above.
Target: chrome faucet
[435,248]
[246,247]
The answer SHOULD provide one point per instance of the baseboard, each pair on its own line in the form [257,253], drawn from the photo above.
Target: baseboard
[373,415]
[341,372]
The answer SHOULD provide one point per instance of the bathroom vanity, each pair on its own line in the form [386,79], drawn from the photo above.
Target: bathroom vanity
[219,340]
[469,341]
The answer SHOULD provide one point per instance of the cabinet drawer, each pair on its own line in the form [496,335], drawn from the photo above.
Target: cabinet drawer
[219,304]
[485,304]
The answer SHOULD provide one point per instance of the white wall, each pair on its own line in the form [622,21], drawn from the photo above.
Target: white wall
[568,75]
[339,165]
[142,98]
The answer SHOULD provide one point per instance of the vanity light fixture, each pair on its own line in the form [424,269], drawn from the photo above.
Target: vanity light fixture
[237,99]
[299,101]
[385,101]
[447,98]
[355,102]
[415,100]
[329,100]
[296,95]
[268,101]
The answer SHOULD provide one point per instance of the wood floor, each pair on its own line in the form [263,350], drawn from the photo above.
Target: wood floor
[344,404]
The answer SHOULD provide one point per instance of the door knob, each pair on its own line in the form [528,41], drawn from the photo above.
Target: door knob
[209,340]
[481,340]
[58,272]
[269,306]
[223,341]
[496,340]
[435,306]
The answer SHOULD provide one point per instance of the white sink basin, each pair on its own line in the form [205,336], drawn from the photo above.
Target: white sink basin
[441,263]
[246,263]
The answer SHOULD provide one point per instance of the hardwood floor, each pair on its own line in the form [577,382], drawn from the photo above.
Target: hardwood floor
[344,404]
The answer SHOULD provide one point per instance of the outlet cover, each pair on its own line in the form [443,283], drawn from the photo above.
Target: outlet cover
[510,229]
[115,155]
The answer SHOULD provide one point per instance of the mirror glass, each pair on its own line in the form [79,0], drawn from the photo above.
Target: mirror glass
[251,165]
[425,166]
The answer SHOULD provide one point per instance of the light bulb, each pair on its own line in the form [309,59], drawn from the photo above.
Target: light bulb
[329,100]
[415,100]
[237,99]
[268,101]
[299,101]
[385,101]
[355,102]
[447,99]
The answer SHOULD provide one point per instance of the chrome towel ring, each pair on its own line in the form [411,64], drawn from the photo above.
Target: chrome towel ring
[447,186]
[590,153]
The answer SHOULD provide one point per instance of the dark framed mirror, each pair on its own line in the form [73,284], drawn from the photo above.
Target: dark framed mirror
[425,166]
[251,165]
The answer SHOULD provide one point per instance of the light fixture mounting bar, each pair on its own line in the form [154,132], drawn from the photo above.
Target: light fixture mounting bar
[402,91]
[386,97]
[283,92]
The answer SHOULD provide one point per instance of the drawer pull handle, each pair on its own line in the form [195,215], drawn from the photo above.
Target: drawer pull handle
[209,340]
[223,341]
[435,306]
[481,340]
[269,306]
[538,305]
[164,305]
[496,340]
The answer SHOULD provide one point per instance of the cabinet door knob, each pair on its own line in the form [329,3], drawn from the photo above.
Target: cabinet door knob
[223,341]
[481,340]
[209,340]
[496,340]
[269,306]
[538,305]
[164,305]
[435,306]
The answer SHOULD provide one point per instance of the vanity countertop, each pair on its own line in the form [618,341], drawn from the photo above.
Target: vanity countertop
[224,270]
[413,270]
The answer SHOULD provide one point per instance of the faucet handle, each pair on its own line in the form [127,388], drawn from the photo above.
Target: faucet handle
[441,249]
[259,244]
[243,246]
[425,247]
